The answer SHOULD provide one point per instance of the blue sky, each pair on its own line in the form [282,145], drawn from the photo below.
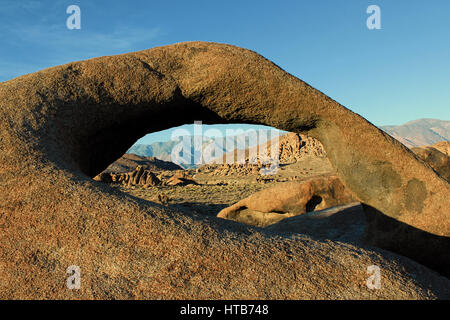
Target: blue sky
[389,76]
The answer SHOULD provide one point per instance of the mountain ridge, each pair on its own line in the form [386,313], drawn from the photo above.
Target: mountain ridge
[420,132]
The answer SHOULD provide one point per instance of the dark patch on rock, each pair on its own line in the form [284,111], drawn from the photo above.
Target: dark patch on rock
[389,178]
[415,195]
[380,180]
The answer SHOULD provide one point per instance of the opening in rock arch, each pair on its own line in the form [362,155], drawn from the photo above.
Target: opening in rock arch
[209,168]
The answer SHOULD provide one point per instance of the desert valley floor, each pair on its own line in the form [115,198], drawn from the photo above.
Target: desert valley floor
[217,190]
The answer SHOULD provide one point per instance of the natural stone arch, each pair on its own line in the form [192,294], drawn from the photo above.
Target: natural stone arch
[68,122]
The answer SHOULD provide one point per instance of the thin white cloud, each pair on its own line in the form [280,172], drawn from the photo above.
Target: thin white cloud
[59,38]
[34,36]
[60,45]
[14,5]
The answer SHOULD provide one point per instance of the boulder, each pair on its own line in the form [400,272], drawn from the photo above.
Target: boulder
[289,199]
[152,180]
[143,178]
[139,176]
[103,177]
[139,171]
[162,198]
[180,179]
[438,160]
[443,146]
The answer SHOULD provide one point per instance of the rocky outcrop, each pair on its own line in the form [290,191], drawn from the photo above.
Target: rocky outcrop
[151,180]
[230,169]
[180,179]
[145,178]
[139,176]
[291,147]
[443,146]
[439,161]
[294,147]
[289,199]
[64,125]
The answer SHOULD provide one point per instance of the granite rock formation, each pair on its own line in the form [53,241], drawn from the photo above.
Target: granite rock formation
[289,199]
[64,125]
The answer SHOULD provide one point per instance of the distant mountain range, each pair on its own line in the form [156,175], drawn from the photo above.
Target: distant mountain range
[173,150]
[412,134]
[160,150]
[420,132]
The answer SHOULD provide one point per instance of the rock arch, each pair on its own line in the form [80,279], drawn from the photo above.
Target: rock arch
[66,123]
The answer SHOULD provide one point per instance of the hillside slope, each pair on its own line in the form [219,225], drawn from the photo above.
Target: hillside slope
[128,162]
